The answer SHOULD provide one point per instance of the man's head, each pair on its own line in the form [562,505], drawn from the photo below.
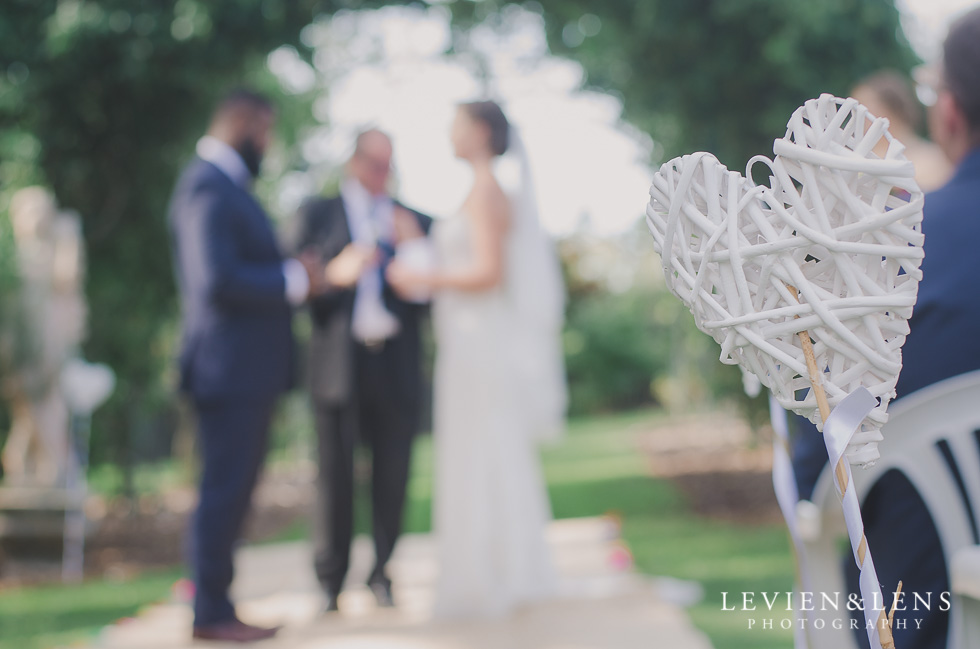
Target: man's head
[955,119]
[370,164]
[244,120]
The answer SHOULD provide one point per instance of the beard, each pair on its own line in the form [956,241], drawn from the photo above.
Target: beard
[251,155]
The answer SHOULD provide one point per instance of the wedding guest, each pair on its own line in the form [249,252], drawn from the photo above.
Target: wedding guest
[365,361]
[236,354]
[889,94]
[941,344]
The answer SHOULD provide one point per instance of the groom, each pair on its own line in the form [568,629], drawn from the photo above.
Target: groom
[365,353]
[236,355]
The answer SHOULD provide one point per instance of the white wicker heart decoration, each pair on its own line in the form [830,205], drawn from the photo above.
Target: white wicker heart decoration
[832,247]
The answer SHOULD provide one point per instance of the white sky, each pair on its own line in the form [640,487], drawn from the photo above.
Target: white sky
[926,21]
[385,68]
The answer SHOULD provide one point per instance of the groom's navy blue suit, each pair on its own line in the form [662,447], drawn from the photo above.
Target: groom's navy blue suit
[236,359]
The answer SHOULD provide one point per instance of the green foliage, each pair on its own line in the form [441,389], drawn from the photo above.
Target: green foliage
[640,347]
[718,75]
[629,342]
[615,347]
[725,76]
[8,297]
[8,265]
[102,101]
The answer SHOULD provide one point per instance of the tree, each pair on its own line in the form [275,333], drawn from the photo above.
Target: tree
[101,100]
[720,75]
[8,306]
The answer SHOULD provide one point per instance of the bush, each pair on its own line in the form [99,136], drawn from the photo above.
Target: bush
[641,347]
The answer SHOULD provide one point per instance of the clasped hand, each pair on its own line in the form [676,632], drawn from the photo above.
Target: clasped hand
[342,271]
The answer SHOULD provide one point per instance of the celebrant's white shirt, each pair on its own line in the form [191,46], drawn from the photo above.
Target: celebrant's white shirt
[223,156]
[370,219]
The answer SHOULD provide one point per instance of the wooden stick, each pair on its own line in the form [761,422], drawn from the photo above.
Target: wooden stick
[885,629]
[840,471]
[811,366]
[891,614]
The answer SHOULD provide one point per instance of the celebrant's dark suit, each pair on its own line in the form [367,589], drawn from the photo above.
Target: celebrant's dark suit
[360,393]
[942,343]
[236,358]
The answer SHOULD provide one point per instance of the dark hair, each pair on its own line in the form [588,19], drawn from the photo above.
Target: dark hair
[242,100]
[894,90]
[490,113]
[961,65]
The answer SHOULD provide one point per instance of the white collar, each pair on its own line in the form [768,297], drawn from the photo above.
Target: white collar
[224,157]
[353,191]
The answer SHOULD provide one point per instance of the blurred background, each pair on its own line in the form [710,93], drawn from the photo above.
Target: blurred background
[101,102]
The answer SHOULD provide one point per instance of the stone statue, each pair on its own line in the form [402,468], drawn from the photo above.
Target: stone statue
[50,260]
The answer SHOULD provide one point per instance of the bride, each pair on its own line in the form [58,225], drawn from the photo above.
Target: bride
[499,380]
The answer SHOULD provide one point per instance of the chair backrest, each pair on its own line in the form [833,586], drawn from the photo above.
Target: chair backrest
[933,437]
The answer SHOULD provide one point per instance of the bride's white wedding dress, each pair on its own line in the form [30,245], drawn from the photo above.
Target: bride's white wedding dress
[491,506]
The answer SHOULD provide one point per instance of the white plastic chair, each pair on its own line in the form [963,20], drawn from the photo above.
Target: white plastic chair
[933,437]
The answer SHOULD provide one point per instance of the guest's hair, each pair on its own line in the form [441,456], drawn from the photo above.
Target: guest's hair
[490,113]
[242,100]
[961,65]
[894,90]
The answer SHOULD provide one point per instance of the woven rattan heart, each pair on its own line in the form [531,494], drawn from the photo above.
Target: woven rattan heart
[832,246]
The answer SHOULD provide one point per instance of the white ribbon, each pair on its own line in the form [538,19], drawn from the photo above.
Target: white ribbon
[840,426]
[787,495]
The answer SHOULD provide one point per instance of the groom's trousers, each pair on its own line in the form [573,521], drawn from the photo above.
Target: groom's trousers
[377,416]
[233,435]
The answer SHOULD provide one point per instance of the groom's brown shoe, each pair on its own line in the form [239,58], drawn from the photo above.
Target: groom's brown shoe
[233,631]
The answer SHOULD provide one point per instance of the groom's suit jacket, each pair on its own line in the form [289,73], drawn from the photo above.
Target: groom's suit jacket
[237,336]
[323,228]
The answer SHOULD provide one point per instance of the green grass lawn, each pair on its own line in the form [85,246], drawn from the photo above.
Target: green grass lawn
[597,469]
[62,616]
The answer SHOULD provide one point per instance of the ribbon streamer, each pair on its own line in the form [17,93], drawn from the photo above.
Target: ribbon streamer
[787,495]
[840,426]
